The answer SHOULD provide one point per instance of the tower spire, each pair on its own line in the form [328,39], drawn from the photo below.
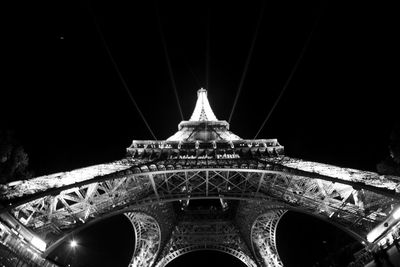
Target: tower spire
[203,111]
[203,124]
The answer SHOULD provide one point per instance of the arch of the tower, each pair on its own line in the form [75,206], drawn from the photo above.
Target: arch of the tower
[259,221]
[218,235]
[251,211]
[224,249]
[149,224]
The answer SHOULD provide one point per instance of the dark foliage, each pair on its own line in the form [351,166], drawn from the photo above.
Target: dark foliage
[391,165]
[13,159]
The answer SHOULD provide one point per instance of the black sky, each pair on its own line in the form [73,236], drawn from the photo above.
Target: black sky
[63,97]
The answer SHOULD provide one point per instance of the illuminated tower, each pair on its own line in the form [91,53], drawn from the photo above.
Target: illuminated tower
[202,188]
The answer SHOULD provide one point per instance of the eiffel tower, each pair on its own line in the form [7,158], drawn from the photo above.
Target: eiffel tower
[203,188]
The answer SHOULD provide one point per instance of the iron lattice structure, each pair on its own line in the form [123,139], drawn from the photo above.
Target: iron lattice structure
[211,234]
[154,186]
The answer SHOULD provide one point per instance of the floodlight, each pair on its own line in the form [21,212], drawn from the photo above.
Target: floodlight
[73,243]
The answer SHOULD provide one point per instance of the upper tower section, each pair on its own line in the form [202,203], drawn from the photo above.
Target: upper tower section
[204,136]
[202,111]
[203,124]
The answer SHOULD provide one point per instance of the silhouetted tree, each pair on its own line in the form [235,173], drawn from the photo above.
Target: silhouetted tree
[391,165]
[13,159]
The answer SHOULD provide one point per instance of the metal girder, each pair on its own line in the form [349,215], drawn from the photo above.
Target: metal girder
[78,205]
[380,184]
[18,193]
[19,189]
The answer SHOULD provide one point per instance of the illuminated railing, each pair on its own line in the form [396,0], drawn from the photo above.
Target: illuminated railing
[382,239]
[15,250]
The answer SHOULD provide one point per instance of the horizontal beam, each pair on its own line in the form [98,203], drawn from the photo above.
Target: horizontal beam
[13,203]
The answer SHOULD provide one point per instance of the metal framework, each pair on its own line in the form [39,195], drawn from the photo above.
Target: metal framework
[203,160]
[263,237]
[189,236]
[358,210]
[147,239]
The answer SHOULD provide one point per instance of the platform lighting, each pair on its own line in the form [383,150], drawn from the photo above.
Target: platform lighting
[38,243]
[384,226]
[73,243]
[396,213]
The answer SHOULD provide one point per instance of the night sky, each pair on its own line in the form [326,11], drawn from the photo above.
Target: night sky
[65,101]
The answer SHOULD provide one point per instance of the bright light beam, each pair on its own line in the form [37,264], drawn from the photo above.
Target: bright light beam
[125,85]
[291,74]
[246,66]
[208,50]
[171,74]
[193,74]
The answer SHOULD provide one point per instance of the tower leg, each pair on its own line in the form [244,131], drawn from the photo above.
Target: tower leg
[258,221]
[147,239]
[263,236]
